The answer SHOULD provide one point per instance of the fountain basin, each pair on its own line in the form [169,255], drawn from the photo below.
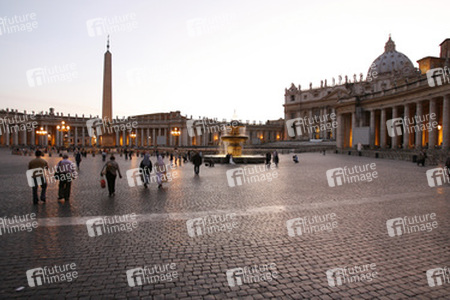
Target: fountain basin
[243,159]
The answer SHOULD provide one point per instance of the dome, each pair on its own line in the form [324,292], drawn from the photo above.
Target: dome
[391,61]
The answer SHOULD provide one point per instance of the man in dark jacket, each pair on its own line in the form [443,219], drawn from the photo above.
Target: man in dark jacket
[197,161]
[268,158]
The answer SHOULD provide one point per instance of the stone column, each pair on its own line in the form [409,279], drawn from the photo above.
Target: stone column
[446,123]
[311,130]
[372,129]
[321,133]
[419,133]
[69,135]
[432,137]
[142,137]
[7,135]
[154,137]
[16,137]
[148,136]
[24,136]
[124,138]
[46,136]
[383,129]
[406,127]
[83,137]
[394,138]
[158,133]
[361,119]
[117,138]
[170,137]
[353,128]
[340,132]
[33,137]
[76,136]
[333,122]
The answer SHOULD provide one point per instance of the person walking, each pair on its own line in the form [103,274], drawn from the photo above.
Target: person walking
[422,157]
[146,167]
[104,155]
[171,158]
[65,174]
[197,161]
[160,170]
[268,158]
[78,159]
[110,170]
[276,159]
[38,176]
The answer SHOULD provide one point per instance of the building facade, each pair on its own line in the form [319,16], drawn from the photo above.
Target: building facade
[400,106]
[150,130]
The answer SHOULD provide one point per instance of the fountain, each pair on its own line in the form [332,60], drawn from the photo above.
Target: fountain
[233,142]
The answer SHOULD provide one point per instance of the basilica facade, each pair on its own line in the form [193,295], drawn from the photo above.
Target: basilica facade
[395,106]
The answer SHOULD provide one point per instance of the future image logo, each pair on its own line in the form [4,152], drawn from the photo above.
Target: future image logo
[407,225]
[299,126]
[399,126]
[111,224]
[341,176]
[438,177]
[251,174]
[107,25]
[211,224]
[314,224]
[438,76]
[358,273]
[51,274]
[251,274]
[159,273]
[49,75]
[18,23]
[438,276]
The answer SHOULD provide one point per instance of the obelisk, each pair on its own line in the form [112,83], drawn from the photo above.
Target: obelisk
[107,137]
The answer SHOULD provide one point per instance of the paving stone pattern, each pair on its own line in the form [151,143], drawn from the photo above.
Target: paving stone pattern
[260,237]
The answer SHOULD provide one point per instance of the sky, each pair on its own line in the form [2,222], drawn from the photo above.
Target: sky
[202,57]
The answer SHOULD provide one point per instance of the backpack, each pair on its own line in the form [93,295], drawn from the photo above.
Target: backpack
[110,167]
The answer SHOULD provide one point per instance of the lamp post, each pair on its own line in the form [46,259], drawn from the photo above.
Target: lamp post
[41,133]
[132,136]
[176,132]
[63,128]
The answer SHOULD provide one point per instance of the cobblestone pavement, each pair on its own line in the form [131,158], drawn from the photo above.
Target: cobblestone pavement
[293,265]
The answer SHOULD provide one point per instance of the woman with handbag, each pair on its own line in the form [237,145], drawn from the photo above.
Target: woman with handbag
[110,170]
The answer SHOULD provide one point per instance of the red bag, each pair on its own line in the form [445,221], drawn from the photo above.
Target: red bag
[103,183]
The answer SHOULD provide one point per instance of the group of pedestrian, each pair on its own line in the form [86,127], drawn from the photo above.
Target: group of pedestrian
[64,172]
[275,159]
